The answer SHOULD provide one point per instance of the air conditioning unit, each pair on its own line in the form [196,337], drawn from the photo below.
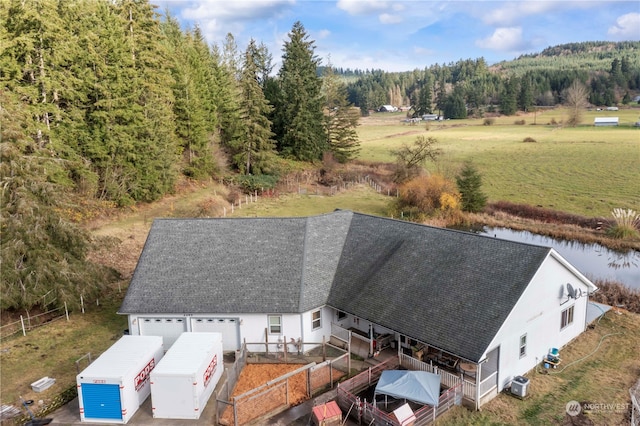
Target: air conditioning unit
[519,386]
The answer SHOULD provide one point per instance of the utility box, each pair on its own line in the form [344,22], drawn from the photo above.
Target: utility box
[187,376]
[519,386]
[112,388]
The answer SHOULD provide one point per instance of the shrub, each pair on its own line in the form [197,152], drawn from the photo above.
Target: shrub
[428,194]
[627,222]
[520,122]
[489,122]
[553,121]
[529,139]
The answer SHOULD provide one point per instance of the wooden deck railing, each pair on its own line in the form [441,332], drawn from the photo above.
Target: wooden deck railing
[366,413]
[447,379]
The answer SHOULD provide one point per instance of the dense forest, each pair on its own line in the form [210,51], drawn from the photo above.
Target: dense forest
[471,87]
[110,103]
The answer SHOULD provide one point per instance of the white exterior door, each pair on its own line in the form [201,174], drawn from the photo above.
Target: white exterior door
[229,327]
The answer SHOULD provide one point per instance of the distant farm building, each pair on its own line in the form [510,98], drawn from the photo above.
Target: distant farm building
[388,108]
[613,108]
[605,121]
[430,117]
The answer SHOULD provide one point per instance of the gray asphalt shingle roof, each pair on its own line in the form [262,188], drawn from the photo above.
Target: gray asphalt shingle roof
[448,288]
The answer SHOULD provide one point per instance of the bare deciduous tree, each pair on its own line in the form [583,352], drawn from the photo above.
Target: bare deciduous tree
[411,158]
[576,99]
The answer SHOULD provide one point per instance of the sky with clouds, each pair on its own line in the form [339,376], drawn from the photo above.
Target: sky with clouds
[402,35]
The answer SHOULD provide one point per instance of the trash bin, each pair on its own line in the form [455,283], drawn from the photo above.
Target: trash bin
[519,386]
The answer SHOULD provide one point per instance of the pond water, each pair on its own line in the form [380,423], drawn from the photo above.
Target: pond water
[592,260]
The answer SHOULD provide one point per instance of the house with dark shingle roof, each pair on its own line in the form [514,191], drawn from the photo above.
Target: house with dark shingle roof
[457,298]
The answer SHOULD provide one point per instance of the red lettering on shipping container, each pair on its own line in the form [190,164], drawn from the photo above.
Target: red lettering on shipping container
[210,370]
[143,376]
[99,381]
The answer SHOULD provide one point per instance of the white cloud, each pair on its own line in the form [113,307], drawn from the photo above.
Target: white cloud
[627,27]
[512,12]
[507,39]
[238,10]
[217,18]
[323,34]
[387,18]
[362,7]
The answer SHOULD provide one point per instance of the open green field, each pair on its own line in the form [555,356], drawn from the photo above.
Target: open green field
[585,170]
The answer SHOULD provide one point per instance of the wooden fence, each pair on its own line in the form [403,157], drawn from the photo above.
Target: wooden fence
[275,395]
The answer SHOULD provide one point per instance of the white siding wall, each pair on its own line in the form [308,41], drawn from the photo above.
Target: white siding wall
[538,314]
[251,327]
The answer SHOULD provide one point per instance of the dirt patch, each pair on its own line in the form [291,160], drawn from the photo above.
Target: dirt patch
[289,392]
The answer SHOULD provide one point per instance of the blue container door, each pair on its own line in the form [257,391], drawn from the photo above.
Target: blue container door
[101,401]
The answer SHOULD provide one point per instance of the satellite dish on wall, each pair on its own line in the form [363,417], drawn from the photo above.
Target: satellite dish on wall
[571,291]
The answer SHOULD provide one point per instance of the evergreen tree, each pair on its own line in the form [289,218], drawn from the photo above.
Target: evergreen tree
[300,115]
[454,106]
[341,119]
[525,96]
[254,154]
[42,254]
[508,103]
[469,183]
[227,97]
[192,111]
[423,105]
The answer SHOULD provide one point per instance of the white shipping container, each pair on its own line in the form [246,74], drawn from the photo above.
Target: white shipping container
[183,381]
[112,388]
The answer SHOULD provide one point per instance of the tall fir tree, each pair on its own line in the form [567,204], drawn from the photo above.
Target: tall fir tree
[509,96]
[341,119]
[189,70]
[255,152]
[525,96]
[299,115]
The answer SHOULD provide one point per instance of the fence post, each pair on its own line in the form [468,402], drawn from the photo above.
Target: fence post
[82,304]
[24,332]
[66,311]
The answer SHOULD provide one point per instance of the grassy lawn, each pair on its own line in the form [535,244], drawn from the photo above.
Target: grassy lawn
[583,170]
[361,199]
[52,350]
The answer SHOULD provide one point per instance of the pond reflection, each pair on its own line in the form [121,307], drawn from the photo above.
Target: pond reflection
[592,260]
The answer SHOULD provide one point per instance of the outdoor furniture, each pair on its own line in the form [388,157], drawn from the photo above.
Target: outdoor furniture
[469,369]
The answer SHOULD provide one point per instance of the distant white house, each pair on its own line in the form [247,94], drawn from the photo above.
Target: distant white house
[605,121]
[388,108]
[612,108]
[430,117]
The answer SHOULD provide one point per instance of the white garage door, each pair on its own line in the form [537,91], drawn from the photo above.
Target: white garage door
[169,328]
[229,327]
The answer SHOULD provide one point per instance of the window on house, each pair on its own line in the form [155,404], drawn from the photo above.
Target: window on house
[566,317]
[523,345]
[275,324]
[342,315]
[315,320]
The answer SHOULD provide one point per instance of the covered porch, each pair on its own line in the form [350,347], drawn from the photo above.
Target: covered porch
[479,381]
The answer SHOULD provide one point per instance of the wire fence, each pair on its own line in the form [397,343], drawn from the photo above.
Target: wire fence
[28,321]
